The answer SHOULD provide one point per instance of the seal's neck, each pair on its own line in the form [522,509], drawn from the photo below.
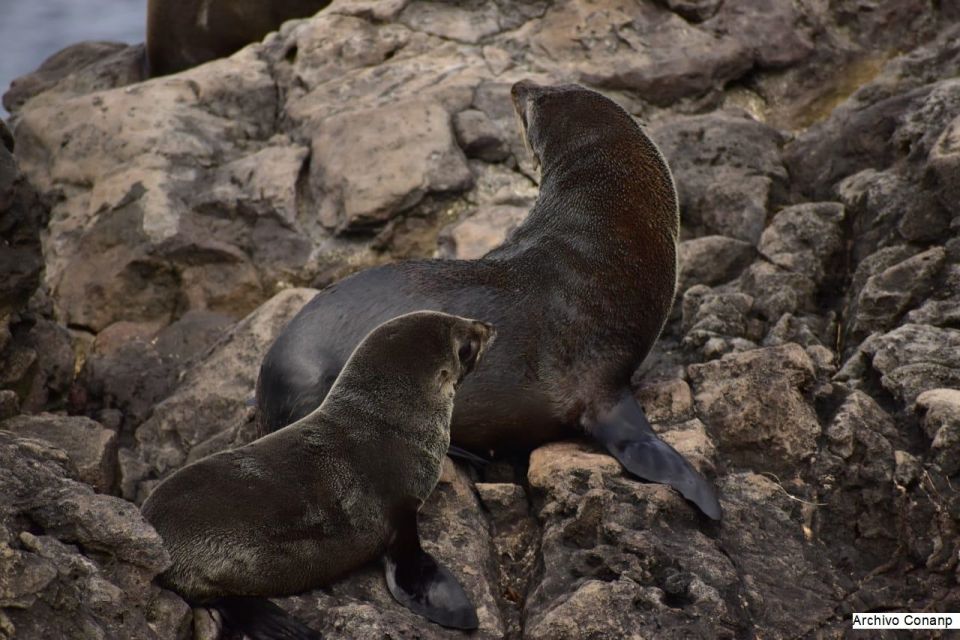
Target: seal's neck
[609,199]
[405,436]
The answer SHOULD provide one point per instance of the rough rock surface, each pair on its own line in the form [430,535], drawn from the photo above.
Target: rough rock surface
[211,407]
[155,236]
[74,563]
[91,448]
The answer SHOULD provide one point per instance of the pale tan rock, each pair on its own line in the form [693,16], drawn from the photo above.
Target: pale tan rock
[666,400]
[941,421]
[480,232]
[754,405]
[370,169]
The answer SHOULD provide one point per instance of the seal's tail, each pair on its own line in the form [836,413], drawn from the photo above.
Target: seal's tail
[259,619]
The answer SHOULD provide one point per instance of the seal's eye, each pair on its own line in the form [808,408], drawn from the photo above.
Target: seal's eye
[468,353]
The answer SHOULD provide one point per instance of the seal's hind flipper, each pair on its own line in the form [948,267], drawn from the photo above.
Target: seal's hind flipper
[626,433]
[422,584]
[259,619]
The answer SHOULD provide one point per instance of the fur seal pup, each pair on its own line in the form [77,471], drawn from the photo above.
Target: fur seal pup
[578,292]
[307,504]
[184,33]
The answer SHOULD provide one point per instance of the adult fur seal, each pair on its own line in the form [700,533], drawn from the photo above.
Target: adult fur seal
[303,506]
[579,292]
[184,33]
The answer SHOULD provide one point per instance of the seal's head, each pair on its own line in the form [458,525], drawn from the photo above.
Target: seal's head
[423,354]
[558,119]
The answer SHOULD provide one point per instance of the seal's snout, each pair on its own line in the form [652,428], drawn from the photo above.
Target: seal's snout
[519,93]
[521,89]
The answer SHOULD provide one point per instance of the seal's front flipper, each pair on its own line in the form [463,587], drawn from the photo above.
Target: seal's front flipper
[420,583]
[626,433]
[260,619]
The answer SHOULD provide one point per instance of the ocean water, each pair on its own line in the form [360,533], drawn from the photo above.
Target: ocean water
[32,30]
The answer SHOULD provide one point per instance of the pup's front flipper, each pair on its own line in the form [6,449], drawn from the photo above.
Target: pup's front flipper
[463,454]
[422,584]
[626,433]
[259,619]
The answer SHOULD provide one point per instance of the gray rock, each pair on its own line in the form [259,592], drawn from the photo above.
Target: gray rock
[625,559]
[84,568]
[694,10]
[90,447]
[666,401]
[901,109]
[945,164]
[79,68]
[209,409]
[776,33]
[911,359]
[131,377]
[51,371]
[855,473]
[942,308]
[888,207]
[479,137]
[907,470]
[728,172]
[628,50]
[801,246]
[33,362]
[754,404]
[191,336]
[468,22]
[879,261]
[776,291]
[806,330]
[711,260]
[172,243]
[888,21]
[132,366]
[886,296]
[713,321]
[804,239]
[22,216]
[941,421]
[515,537]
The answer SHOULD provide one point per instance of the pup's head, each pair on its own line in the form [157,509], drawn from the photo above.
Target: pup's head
[424,353]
